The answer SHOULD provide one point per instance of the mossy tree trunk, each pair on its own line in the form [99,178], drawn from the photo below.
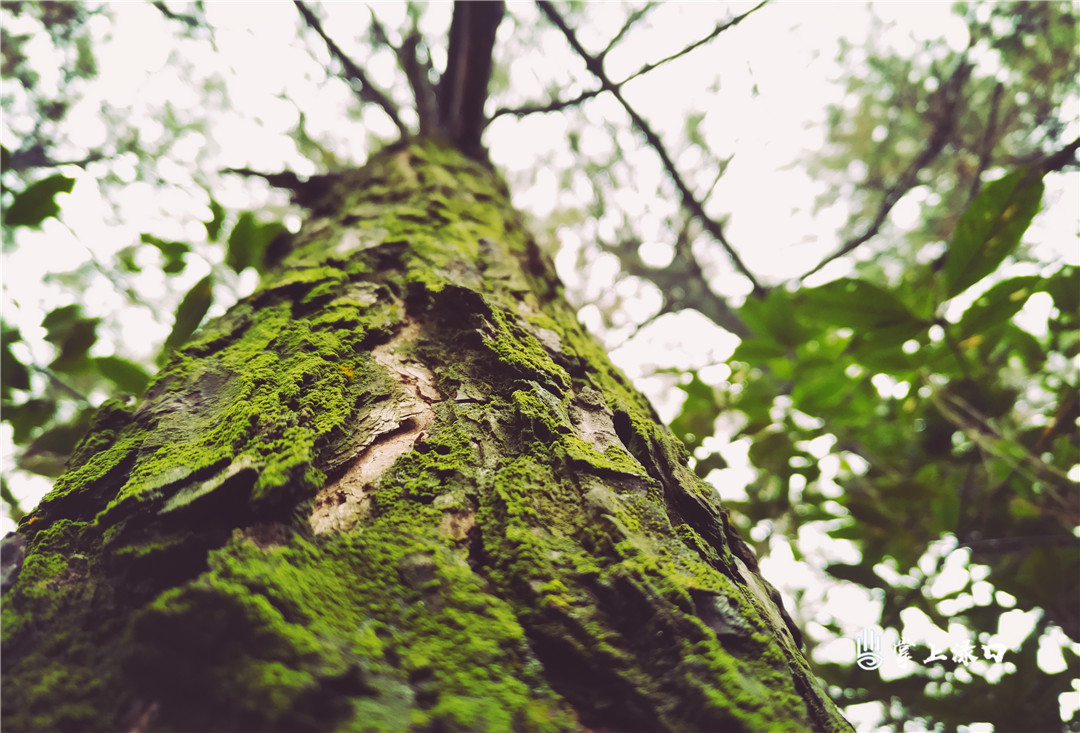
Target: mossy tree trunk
[399,487]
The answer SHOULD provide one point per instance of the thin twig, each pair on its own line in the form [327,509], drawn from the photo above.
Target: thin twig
[368,92]
[557,105]
[596,68]
[720,28]
[987,146]
[631,20]
[944,125]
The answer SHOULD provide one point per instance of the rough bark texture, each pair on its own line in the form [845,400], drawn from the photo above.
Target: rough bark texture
[397,488]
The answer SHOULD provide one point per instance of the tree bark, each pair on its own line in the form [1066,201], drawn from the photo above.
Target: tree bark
[398,488]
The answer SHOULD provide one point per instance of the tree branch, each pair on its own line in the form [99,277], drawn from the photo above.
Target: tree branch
[720,28]
[596,68]
[416,71]
[557,105]
[368,92]
[944,125]
[631,20]
[462,90]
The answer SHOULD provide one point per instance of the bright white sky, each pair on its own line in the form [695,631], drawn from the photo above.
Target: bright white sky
[786,52]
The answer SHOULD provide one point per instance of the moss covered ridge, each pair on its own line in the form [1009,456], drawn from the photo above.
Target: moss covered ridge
[397,488]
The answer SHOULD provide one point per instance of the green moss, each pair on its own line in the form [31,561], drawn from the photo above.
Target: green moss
[563,598]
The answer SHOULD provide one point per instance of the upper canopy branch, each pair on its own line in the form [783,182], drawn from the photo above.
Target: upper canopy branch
[368,92]
[596,67]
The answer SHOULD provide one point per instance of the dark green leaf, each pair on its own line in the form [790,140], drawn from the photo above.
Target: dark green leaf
[217,217]
[126,375]
[773,318]
[860,574]
[1064,288]
[190,312]
[14,510]
[856,304]
[248,241]
[990,229]
[35,204]
[13,373]
[995,306]
[26,416]
[47,455]
[173,252]
[72,334]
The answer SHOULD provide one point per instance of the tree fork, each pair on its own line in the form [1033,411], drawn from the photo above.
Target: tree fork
[399,487]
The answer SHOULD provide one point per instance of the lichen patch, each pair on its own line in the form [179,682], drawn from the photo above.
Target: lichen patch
[395,427]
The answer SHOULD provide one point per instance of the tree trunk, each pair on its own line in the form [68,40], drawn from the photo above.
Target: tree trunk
[397,488]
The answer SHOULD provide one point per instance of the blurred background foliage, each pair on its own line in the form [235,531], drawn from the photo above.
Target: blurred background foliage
[898,423]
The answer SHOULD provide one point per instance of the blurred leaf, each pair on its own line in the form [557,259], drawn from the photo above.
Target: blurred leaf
[126,375]
[47,455]
[26,416]
[72,334]
[996,306]
[126,259]
[697,418]
[13,373]
[861,574]
[248,241]
[770,318]
[708,463]
[990,229]
[35,204]
[858,304]
[189,314]
[14,510]
[173,252]
[1064,288]
[217,218]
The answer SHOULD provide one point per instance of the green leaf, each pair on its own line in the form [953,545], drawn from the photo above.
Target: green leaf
[14,510]
[860,574]
[857,304]
[248,241]
[217,218]
[47,455]
[990,229]
[35,204]
[26,416]
[72,334]
[189,313]
[126,375]
[996,306]
[13,373]
[173,252]
[1064,288]
[698,415]
[771,318]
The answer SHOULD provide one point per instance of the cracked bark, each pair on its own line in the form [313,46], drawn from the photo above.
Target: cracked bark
[399,487]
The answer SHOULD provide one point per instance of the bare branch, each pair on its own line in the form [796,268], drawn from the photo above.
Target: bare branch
[417,72]
[682,283]
[944,125]
[557,105]
[367,92]
[987,141]
[720,28]
[596,68]
[1061,159]
[631,20]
